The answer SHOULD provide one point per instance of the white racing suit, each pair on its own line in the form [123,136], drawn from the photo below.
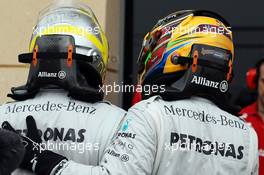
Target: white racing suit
[77,130]
[186,137]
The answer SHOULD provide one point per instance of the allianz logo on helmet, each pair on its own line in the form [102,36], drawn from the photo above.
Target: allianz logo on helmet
[222,86]
[61,75]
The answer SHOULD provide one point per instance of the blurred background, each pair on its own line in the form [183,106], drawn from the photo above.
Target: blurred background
[125,23]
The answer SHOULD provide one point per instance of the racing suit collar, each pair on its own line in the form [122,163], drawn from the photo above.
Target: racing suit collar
[202,99]
[60,93]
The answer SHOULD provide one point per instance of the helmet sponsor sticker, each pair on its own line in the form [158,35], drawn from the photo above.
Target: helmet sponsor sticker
[222,86]
[61,75]
[216,53]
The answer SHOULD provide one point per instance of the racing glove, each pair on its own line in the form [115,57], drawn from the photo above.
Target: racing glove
[11,151]
[37,159]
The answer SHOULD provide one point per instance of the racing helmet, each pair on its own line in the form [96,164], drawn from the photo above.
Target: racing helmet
[69,50]
[189,52]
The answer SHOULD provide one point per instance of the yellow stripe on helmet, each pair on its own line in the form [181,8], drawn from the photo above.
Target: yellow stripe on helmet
[79,31]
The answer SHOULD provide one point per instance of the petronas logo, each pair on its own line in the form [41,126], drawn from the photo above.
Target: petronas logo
[47,75]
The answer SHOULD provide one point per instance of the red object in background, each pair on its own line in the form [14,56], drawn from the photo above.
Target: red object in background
[136,98]
[250,78]
[252,117]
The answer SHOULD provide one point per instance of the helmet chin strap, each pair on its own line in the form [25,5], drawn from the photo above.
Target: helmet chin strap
[206,76]
[57,64]
[91,95]
[183,89]
[22,93]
